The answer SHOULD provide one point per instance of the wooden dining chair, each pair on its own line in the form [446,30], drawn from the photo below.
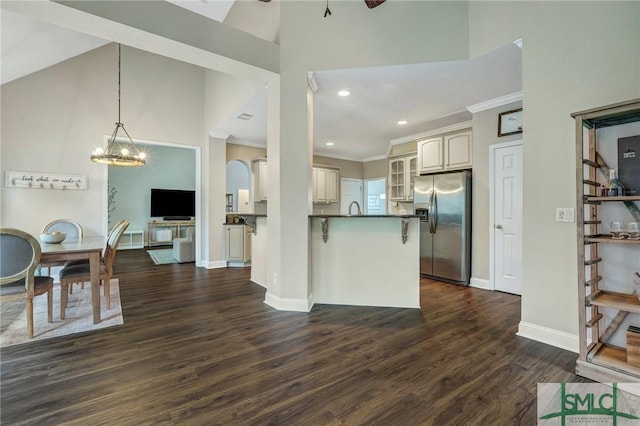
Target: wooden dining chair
[19,257]
[81,273]
[86,261]
[72,229]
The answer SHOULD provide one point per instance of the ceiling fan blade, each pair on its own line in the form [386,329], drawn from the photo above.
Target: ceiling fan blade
[373,3]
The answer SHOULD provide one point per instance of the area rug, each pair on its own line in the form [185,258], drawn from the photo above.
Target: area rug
[162,256]
[79,317]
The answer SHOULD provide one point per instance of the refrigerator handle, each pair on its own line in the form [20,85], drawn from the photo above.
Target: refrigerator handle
[433,211]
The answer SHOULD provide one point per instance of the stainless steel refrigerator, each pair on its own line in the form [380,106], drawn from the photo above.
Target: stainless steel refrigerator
[443,203]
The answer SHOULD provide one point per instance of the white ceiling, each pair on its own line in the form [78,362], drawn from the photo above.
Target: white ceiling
[360,125]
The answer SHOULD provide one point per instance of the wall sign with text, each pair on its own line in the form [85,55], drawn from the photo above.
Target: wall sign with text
[37,180]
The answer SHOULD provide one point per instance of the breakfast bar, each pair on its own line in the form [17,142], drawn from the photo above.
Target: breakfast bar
[365,260]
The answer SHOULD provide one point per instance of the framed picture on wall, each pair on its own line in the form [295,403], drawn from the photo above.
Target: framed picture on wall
[510,122]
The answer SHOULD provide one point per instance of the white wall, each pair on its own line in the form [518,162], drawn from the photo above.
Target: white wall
[54,118]
[354,36]
[576,55]
[485,134]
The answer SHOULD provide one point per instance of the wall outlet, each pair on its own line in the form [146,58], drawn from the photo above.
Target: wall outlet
[565,214]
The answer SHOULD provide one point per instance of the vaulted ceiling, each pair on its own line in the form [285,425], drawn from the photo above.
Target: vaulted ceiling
[360,125]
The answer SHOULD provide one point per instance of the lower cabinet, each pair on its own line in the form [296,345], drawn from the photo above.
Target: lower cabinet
[238,244]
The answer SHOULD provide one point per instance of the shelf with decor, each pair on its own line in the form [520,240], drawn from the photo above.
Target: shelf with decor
[605,301]
[606,238]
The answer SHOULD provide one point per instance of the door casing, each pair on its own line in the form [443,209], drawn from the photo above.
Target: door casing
[492,213]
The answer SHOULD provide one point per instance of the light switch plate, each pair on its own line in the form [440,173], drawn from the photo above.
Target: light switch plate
[565,214]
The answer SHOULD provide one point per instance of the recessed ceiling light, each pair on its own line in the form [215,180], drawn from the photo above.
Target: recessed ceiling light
[402,122]
[329,143]
[344,93]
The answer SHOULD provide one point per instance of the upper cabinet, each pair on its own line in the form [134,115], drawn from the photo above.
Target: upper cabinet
[458,151]
[450,152]
[260,179]
[325,185]
[325,182]
[430,155]
[402,173]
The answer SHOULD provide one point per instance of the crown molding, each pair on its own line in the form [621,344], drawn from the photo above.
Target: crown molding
[429,133]
[375,158]
[245,142]
[494,103]
[312,81]
[336,156]
[219,135]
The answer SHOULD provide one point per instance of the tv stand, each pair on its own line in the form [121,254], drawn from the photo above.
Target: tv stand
[163,232]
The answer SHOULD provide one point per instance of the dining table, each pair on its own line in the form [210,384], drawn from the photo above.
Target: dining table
[89,247]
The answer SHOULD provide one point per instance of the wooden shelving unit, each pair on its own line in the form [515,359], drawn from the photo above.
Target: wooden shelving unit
[612,299]
[599,359]
[175,227]
[612,357]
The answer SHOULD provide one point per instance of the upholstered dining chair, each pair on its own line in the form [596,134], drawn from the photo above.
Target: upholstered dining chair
[19,257]
[72,229]
[81,273]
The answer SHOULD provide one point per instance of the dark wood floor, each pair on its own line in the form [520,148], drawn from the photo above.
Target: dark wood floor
[199,347]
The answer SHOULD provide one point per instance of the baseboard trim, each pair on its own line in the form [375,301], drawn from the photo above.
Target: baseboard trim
[284,304]
[480,283]
[215,264]
[257,282]
[232,264]
[549,336]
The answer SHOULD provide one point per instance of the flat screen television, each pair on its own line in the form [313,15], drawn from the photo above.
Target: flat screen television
[173,204]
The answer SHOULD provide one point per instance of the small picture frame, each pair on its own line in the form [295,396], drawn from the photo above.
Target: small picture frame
[510,122]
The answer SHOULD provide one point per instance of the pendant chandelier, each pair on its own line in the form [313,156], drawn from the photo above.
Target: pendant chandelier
[119,153]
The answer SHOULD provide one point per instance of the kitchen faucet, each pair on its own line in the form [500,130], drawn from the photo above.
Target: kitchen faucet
[357,205]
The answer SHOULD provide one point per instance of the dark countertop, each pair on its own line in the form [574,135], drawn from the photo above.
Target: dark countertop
[404,216]
[249,214]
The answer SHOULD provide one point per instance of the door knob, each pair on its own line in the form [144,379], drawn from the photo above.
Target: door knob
[498,226]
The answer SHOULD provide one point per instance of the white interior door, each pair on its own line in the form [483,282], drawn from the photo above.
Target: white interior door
[350,190]
[507,217]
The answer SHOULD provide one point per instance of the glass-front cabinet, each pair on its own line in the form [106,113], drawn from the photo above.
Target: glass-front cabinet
[402,173]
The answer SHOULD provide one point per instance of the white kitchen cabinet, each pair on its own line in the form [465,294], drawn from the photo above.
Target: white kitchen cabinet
[238,244]
[458,151]
[402,174]
[260,179]
[450,152]
[430,155]
[325,185]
